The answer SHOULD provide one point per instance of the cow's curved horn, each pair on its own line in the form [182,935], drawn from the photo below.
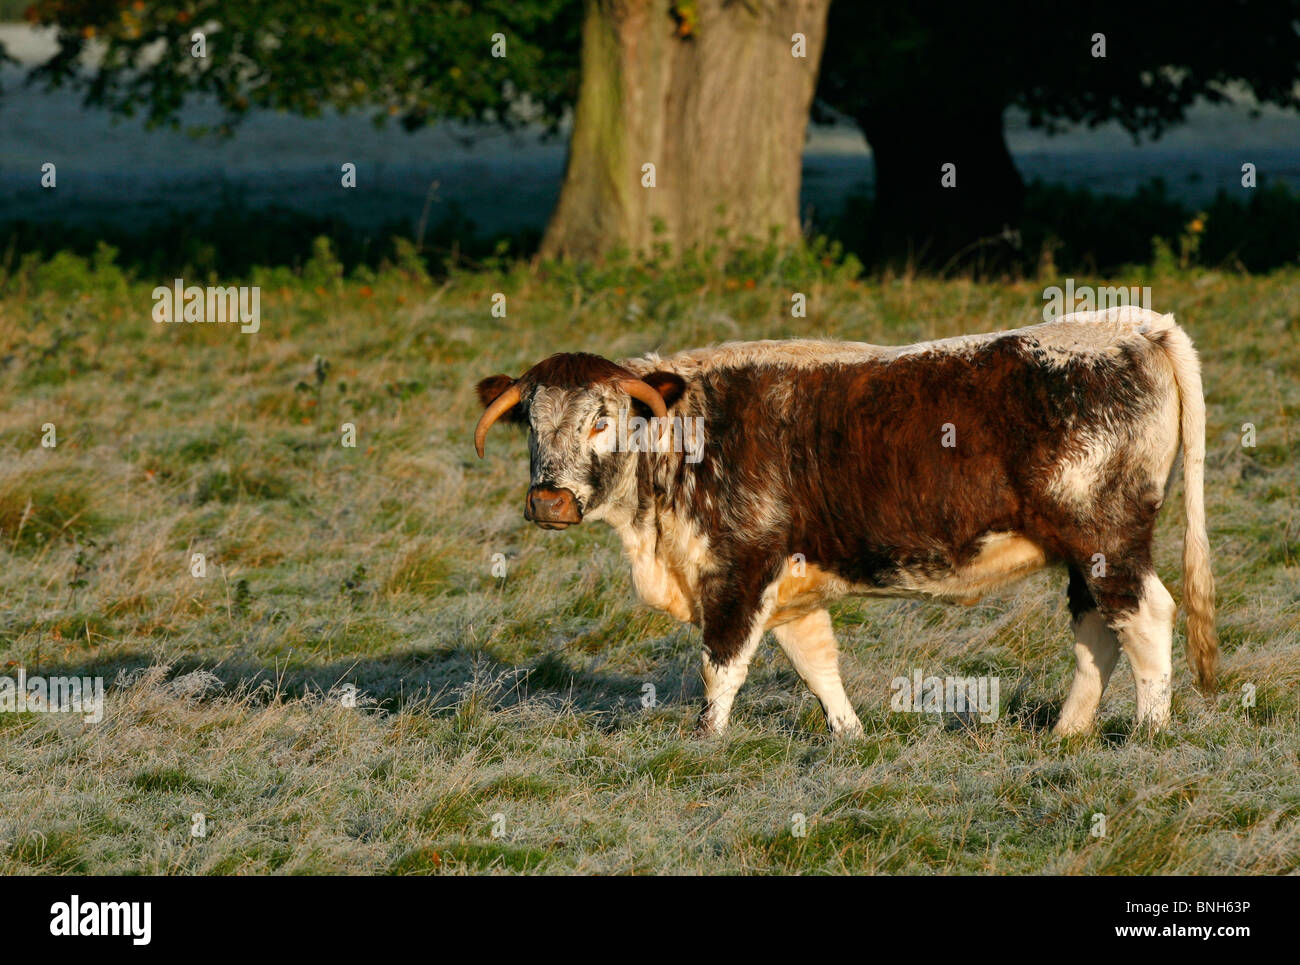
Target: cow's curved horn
[500,405]
[645,393]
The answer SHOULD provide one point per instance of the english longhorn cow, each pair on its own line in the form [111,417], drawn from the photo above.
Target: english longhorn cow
[943,470]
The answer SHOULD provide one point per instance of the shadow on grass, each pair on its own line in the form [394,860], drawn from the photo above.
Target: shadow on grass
[1039,715]
[439,678]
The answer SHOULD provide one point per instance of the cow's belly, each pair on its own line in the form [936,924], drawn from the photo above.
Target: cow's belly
[803,588]
[1003,558]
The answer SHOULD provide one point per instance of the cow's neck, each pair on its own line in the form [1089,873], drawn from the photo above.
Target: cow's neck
[663,547]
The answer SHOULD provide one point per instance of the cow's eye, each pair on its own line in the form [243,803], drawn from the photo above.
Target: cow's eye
[600,426]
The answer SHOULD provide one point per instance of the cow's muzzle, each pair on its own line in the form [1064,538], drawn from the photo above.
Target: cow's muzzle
[552,508]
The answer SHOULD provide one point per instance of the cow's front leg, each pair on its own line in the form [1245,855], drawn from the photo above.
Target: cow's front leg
[809,642]
[734,617]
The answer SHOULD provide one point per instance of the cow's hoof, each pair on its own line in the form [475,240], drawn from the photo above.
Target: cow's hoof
[705,728]
[846,730]
[1063,730]
[1151,727]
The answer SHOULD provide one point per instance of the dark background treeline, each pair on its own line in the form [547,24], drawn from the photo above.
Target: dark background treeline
[928,85]
[1078,230]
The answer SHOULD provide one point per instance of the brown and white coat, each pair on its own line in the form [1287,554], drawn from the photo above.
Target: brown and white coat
[944,469]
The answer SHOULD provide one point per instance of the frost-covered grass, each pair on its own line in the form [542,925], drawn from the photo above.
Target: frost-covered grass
[499,723]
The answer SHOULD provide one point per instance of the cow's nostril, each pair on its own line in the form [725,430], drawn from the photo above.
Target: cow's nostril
[549,506]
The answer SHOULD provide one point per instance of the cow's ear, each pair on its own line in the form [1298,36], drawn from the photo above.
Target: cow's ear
[493,386]
[668,384]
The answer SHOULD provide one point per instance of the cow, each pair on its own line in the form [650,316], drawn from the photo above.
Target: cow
[942,470]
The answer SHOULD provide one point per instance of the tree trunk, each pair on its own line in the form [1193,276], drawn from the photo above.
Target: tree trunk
[710,93]
[915,214]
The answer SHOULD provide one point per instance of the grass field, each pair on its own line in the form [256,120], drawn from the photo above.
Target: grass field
[499,723]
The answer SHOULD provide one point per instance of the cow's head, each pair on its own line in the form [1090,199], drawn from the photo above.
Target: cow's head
[571,404]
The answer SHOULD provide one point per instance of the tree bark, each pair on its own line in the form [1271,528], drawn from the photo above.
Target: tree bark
[914,213]
[710,93]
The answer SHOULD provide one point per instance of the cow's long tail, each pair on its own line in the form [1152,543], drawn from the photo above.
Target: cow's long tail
[1198,579]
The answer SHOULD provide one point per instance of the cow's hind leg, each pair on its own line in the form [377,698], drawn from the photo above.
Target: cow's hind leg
[809,642]
[1147,636]
[1133,604]
[1096,650]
